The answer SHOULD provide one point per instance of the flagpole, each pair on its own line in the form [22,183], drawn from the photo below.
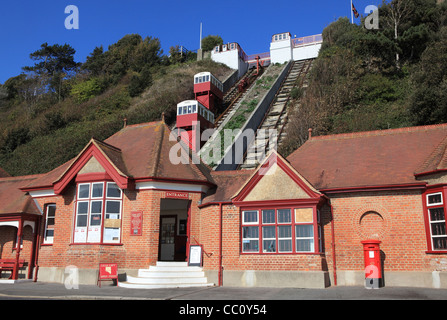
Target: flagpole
[352,14]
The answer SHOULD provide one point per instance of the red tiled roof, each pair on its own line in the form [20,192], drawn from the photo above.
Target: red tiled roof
[145,151]
[373,158]
[12,199]
[3,173]
[228,183]
[138,152]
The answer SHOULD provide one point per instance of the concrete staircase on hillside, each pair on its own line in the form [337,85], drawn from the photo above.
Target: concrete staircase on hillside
[167,275]
[277,115]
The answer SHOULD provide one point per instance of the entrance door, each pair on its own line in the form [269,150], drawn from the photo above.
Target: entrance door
[167,237]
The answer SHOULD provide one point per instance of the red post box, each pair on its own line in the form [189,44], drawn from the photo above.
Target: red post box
[373,263]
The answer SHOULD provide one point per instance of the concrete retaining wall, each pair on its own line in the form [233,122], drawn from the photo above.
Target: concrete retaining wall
[234,154]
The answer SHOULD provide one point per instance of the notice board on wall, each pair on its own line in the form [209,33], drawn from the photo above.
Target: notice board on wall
[195,256]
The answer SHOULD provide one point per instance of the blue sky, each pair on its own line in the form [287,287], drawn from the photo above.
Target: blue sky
[25,25]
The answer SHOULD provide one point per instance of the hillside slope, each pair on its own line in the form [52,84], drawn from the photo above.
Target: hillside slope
[37,137]
[363,79]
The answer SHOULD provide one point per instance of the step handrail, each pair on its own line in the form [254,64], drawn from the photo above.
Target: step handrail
[198,243]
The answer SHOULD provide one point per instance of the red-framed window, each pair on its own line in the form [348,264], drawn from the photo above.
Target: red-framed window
[98,211]
[434,204]
[280,230]
[50,218]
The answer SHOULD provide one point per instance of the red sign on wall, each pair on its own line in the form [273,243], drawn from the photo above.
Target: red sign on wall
[136,223]
[177,195]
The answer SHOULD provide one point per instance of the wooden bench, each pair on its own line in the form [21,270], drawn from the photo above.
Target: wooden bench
[8,265]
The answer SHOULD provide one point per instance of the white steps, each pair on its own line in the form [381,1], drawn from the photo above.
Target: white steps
[167,275]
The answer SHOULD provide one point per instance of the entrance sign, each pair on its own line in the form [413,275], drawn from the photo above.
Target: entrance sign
[136,223]
[177,195]
[107,271]
[195,256]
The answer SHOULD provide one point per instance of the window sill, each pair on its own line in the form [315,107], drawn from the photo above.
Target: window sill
[283,253]
[96,244]
[436,252]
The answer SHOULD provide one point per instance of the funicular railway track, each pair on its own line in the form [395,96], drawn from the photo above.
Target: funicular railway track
[235,94]
[276,117]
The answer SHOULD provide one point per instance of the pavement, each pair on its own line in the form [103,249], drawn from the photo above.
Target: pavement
[108,291]
[212,302]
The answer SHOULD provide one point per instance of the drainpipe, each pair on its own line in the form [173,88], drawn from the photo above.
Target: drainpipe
[220,272]
[36,249]
[333,246]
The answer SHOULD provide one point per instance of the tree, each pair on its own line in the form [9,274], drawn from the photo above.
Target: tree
[209,42]
[139,82]
[131,54]
[54,62]
[396,13]
[95,62]
[428,103]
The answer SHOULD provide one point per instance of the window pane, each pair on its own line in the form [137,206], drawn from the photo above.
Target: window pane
[438,229]
[50,233]
[113,206]
[250,216]
[284,231]
[435,198]
[250,246]
[95,220]
[82,220]
[96,207]
[84,191]
[304,231]
[268,216]
[111,234]
[285,245]
[437,214]
[305,245]
[440,243]
[82,207]
[51,211]
[268,232]
[284,216]
[97,189]
[50,222]
[113,191]
[269,246]
[250,232]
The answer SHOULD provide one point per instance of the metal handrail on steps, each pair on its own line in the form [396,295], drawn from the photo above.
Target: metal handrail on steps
[198,243]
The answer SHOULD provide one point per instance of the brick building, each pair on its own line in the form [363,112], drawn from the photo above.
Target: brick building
[138,198]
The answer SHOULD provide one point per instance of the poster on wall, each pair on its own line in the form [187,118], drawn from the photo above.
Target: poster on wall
[195,256]
[136,222]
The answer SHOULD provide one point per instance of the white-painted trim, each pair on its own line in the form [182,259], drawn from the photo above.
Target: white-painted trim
[42,193]
[15,224]
[10,223]
[154,185]
[32,224]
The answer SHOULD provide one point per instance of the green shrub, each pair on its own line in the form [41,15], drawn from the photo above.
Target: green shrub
[85,90]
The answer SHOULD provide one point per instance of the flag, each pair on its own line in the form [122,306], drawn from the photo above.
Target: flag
[356,14]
